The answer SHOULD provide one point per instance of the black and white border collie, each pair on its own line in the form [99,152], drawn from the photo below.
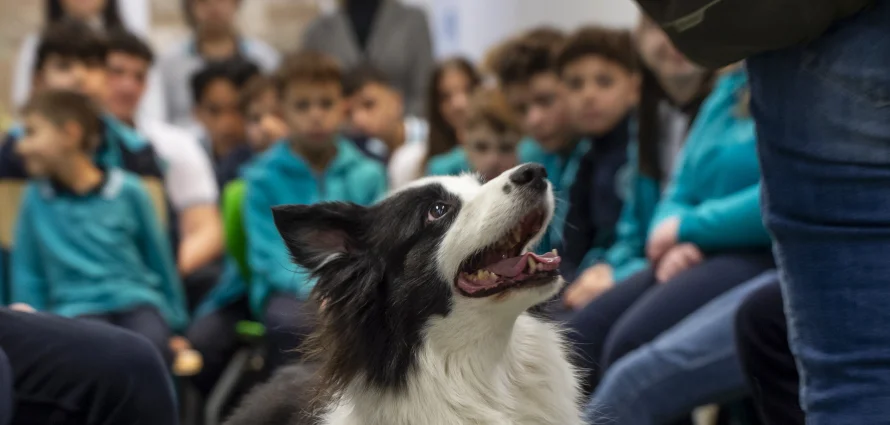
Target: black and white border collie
[424,316]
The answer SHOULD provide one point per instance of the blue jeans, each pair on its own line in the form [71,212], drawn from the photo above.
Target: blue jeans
[691,364]
[823,122]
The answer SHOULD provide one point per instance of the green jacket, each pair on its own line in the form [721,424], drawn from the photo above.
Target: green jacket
[716,33]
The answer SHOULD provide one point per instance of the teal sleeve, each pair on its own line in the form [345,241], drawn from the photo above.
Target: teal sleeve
[158,255]
[270,264]
[678,196]
[733,221]
[627,254]
[29,284]
[436,167]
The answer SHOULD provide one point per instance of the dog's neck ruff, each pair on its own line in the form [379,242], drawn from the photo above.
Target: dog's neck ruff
[506,371]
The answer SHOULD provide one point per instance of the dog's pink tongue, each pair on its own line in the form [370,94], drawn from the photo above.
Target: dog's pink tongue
[512,267]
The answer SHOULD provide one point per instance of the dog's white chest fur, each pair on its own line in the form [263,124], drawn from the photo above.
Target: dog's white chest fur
[517,375]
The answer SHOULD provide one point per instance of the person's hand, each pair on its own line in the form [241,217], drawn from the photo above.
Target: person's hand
[590,285]
[273,128]
[662,239]
[677,260]
[24,308]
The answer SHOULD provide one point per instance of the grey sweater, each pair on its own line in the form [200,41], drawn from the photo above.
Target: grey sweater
[400,45]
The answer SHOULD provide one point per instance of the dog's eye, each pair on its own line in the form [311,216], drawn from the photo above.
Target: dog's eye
[438,211]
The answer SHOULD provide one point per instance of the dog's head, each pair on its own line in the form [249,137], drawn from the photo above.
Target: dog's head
[441,247]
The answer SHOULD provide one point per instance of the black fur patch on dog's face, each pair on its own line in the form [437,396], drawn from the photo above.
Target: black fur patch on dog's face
[377,276]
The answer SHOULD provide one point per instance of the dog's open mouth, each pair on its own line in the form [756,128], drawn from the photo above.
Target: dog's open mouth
[503,265]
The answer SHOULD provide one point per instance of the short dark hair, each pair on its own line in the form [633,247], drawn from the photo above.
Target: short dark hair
[522,59]
[361,76]
[62,106]
[123,41]
[308,66]
[546,35]
[236,71]
[71,39]
[613,45]
[254,88]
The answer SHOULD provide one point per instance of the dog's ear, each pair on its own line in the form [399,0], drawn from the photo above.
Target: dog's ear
[316,234]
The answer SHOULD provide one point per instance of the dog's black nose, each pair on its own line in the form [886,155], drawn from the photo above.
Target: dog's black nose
[529,174]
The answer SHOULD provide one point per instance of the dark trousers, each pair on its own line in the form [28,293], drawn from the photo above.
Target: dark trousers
[288,322]
[5,389]
[639,309]
[198,284]
[762,345]
[76,372]
[145,321]
[215,337]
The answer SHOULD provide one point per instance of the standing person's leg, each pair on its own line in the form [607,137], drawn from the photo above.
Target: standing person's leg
[823,123]
[762,345]
[147,321]
[288,322]
[670,302]
[215,337]
[80,372]
[692,364]
[588,328]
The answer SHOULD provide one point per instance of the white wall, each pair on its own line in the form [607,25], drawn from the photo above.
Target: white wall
[470,27]
[570,14]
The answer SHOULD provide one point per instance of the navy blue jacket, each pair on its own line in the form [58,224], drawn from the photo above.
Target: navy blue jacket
[595,199]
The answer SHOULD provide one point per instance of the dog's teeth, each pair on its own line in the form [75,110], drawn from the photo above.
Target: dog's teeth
[554,252]
[531,264]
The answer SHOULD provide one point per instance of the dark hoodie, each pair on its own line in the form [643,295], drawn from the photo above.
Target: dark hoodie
[594,199]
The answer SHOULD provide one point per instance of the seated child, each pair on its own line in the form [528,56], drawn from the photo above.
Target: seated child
[451,85]
[213,331]
[599,70]
[671,94]
[559,120]
[71,56]
[492,133]
[190,182]
[313,164]
[216,90]
[88,243]
[376,115]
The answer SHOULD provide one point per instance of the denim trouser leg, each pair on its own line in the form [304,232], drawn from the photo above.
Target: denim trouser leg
[823,123]
[691,364]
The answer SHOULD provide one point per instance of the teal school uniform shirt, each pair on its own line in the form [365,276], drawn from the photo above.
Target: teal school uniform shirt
[627,255]
[281,177]
[98,253]
[715,189]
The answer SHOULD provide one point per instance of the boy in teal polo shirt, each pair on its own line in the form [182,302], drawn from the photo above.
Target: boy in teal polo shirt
[88,242]
[313,164]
